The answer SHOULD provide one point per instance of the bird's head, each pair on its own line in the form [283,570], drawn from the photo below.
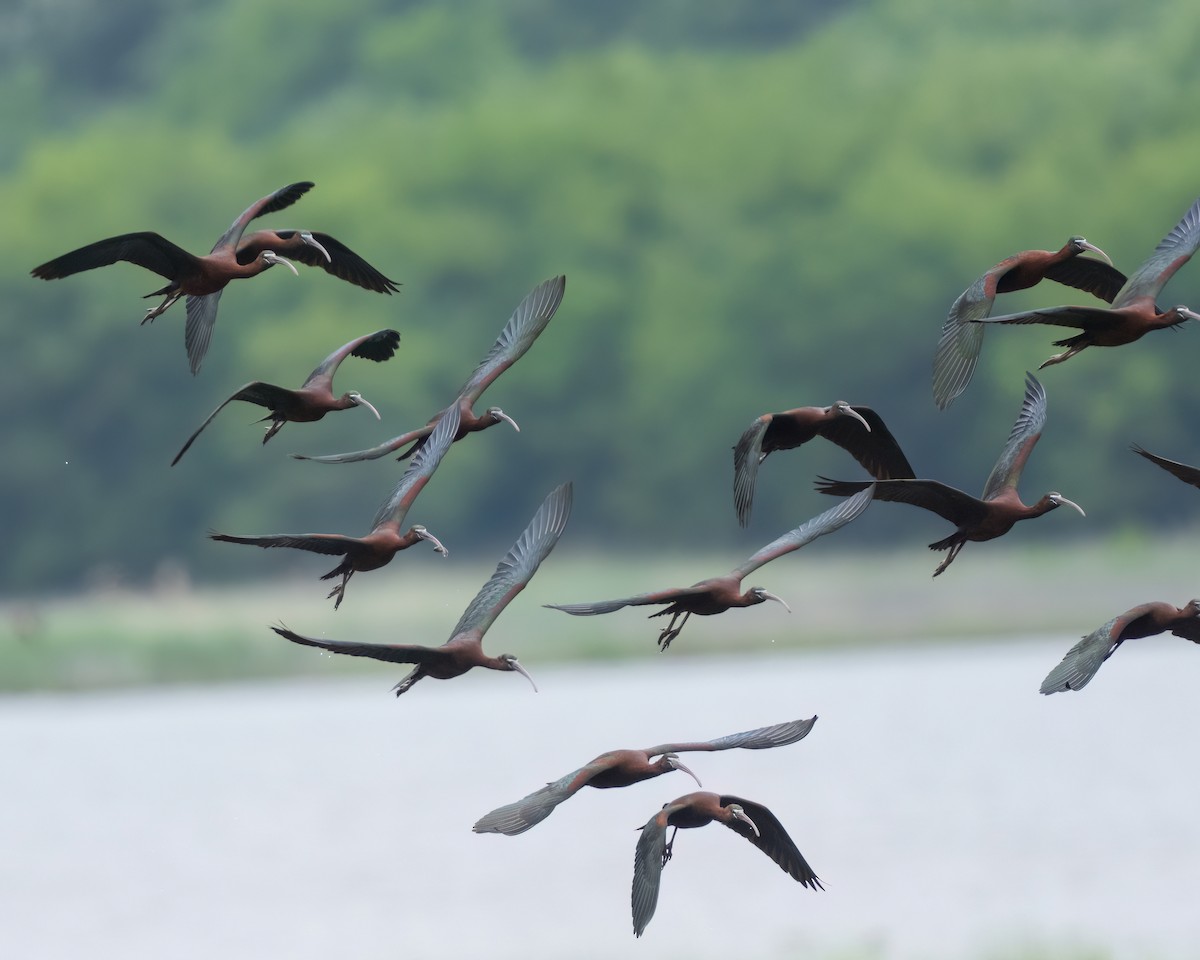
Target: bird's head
[358,400]
[671,761]
[311,241]
[1183,313]
[842,409]
[423,534]
[1079,244]
[759,595]
[1055,499]
[1193,608]
[736,811]
[497,415]
[270,258]
[509,662]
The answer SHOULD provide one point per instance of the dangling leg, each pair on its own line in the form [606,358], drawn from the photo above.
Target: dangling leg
[672,631]
[667,850]
[340,590]
[162,307]
[949,557]
[403,685]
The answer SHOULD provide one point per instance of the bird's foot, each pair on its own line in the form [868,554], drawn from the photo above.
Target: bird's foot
[340,592]
[665,638]
[151,314]
[668,851]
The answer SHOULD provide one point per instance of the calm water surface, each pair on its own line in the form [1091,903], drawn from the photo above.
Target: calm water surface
[950,810]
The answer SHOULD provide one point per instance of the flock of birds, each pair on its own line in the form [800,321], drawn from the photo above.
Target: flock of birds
[857,429]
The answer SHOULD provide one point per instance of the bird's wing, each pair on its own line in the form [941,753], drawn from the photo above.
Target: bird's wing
[647,869]
[1096,277]
[1079,318]
[197,332]
[419,470]
[833,518]
[378,346]
[1181,470]
[1188,629]
[514,818]
[264,394]
[372,453]
[343,263]
[946,501]
[747,453]
[330,544]
[519,565]
[876,450]
[1084,659]
[148,250]
[641,600]
[777,735]
[391,652]
[961,341]
[523,327]
[1021,440]
[1174,250]
[773,840]
[281,199]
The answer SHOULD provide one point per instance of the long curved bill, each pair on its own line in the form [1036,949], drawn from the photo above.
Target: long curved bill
[525,673]
[1063,501]
[771,596]
[311,241]
[741,815]
[1188,314]
[363,401]
[1096,250]
[271,257]
[507,419]
[437,544]
[687,770]
[859,417]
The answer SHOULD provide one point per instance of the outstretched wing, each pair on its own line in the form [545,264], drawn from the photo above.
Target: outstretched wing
[1174,250]
[330,544]
[776,735]
[523,327]
[1184,472]
[420,469]
[197,331]
[149,250]
[391,652]
[378,346]
[1021,440]
[832,519]
[1079,318]
[1084,659]
[773,840]
[281,199]
[946,501]
[343,262]
[961,341]
[641,600]
[1096,277]
[264,394]
[520,563]
[876,450]
[747,454]
[528,812]
[647,870]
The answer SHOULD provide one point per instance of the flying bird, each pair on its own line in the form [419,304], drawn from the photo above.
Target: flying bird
[958,348]
[315,398]
[523,327]
[384,541]
[1133,313]
[623,768]
[986,517]
[718,594]
[1084,659]
[860,431]
[464,649]
[751,820]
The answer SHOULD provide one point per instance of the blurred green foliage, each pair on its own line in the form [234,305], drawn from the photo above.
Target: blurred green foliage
[757,205]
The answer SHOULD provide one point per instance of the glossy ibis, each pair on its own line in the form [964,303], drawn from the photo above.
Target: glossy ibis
[1184,472]
[523,327]
[1084,659]
[1133,313]
[989,516]
[623,768]
[958,349]
[384,541]
[718,594]
[315,397]
[860,431]
[464,649]
[317,250]
[201,279]
[751,820]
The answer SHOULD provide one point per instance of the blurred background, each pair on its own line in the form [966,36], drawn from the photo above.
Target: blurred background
[757,205]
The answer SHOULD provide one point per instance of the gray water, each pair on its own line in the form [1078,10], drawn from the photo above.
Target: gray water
[951,811]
